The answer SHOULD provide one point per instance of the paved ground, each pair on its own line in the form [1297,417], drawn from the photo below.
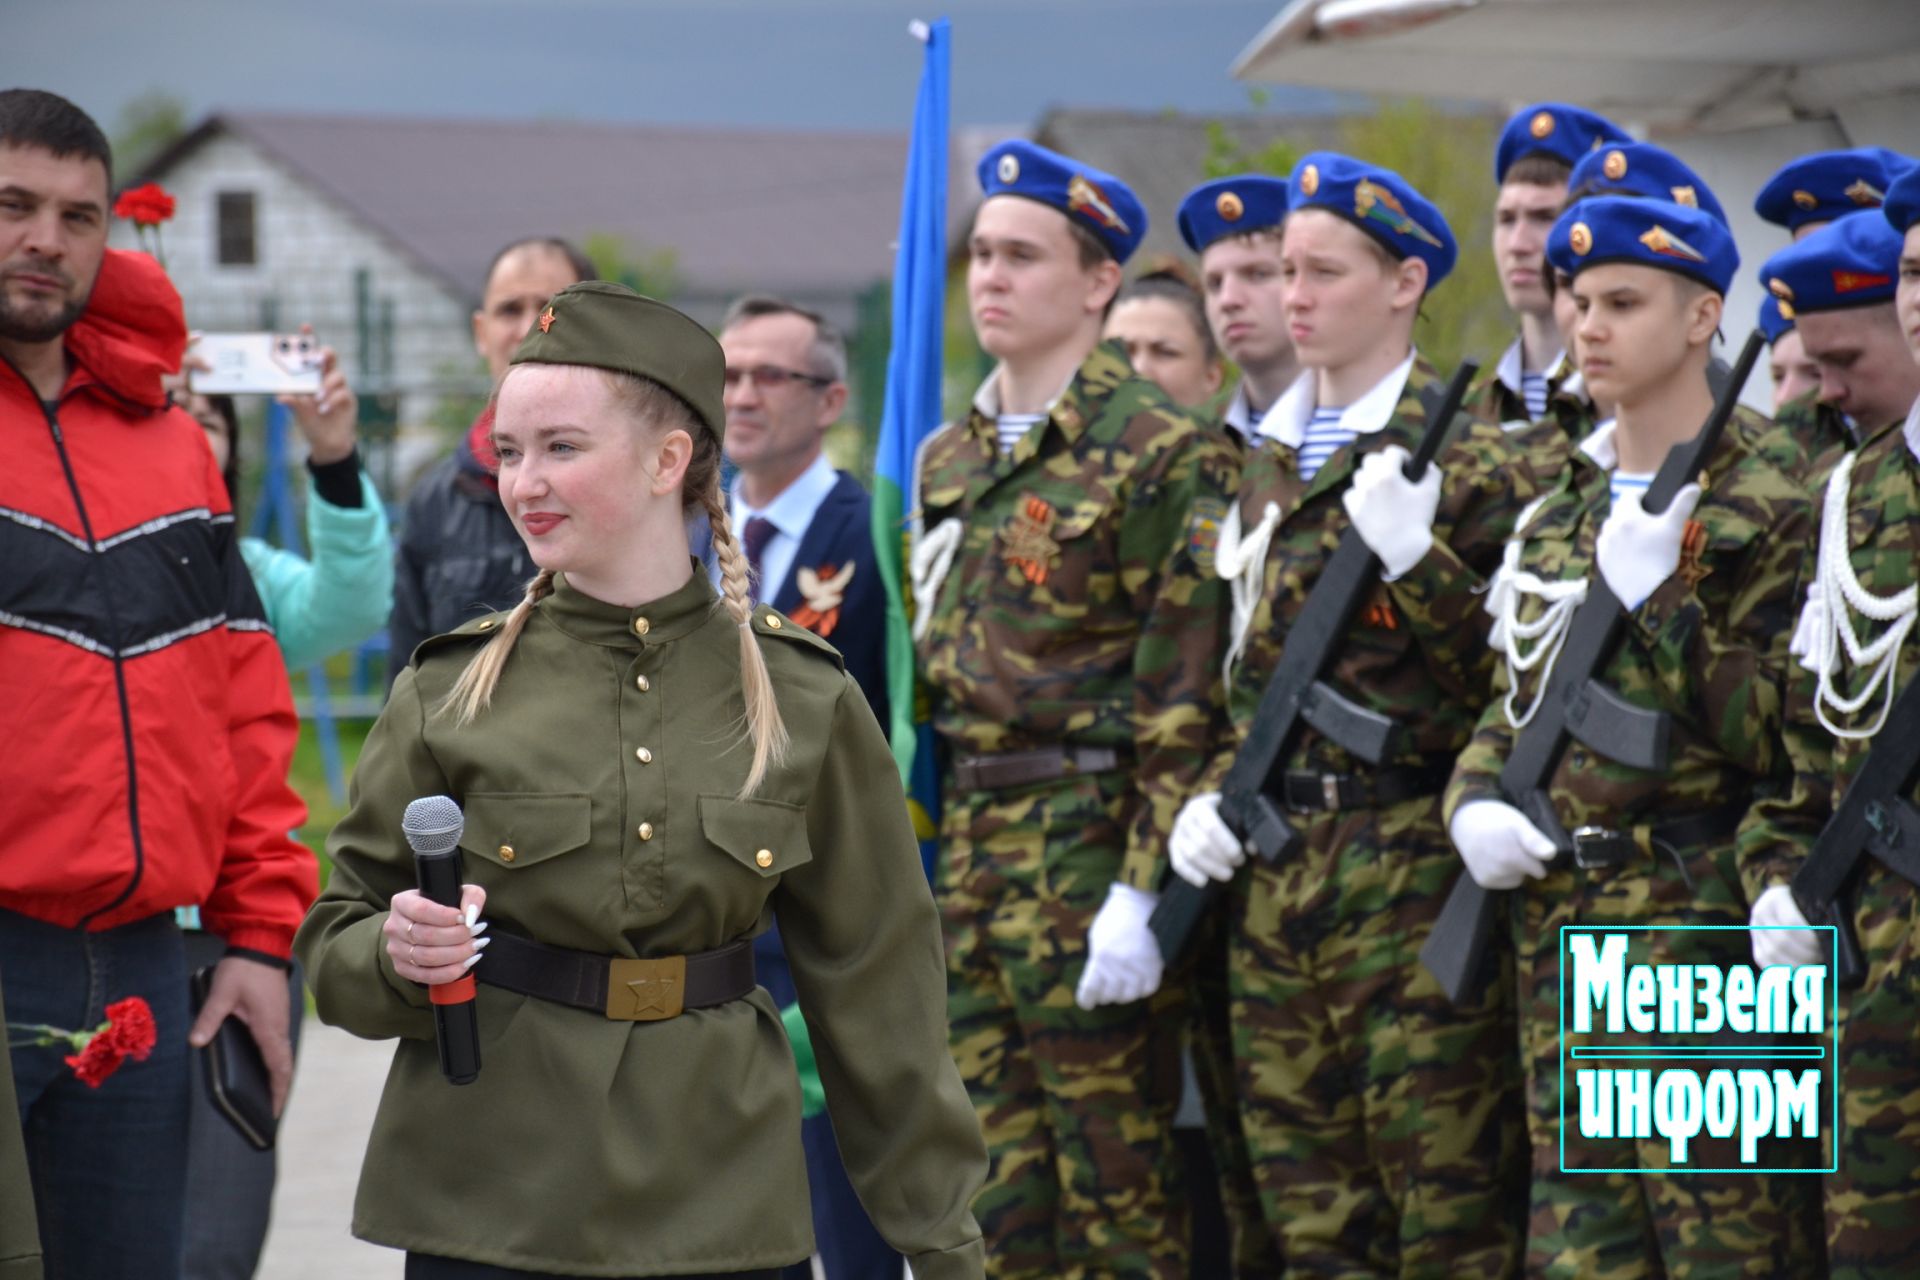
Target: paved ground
[322,1138]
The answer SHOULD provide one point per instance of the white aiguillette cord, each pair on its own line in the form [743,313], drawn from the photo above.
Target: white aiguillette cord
[1548,632]
[1242,562]
[933,554]
[1842,596]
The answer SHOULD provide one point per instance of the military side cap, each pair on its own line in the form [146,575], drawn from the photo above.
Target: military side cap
[1828,185]
[1231,206]
[1773,322]
[1646,233]
[1642,169]
[608,326]
[1554,129]
[1903,201]
[1097,201]
[1851,262]
[1379,202]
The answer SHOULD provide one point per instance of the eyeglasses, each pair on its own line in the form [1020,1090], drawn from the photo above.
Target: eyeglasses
[771,377]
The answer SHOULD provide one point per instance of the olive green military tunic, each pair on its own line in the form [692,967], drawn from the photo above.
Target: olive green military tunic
[600,793]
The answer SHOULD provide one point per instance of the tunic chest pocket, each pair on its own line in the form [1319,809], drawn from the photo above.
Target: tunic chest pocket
[514,830]
[766,837]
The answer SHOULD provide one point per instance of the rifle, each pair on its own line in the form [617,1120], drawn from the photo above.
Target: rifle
[1296,695]
[1575,706]
[1874,817]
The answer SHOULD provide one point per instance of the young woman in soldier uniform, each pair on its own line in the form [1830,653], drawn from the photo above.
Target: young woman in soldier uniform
[648,773]
[1707,589]
[1340,1039]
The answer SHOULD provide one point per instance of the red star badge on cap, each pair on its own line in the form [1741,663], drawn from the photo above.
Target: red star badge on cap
[546,320]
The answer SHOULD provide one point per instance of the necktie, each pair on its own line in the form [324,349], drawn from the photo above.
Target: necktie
[759,532]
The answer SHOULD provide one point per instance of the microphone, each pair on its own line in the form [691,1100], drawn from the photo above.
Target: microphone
[432,826]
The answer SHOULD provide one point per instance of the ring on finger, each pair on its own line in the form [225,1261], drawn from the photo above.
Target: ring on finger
[410,931]
[410,959]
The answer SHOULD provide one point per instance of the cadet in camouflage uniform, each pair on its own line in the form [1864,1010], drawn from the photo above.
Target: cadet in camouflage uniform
[1531,164]
[1384,1124]
[1836,285]
[1070,635]
[1808,437]
[1867,559]
[1709,587]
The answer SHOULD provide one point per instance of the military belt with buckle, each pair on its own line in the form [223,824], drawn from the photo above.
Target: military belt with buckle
[623,988]
[1598,848]
[1004,769]
[1311,791]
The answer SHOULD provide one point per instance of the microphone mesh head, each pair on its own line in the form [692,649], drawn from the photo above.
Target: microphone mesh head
[433,824]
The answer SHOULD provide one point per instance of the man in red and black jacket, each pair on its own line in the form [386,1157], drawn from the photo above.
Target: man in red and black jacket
[146,724]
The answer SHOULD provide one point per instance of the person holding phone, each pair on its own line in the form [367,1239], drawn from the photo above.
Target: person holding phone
[650,773]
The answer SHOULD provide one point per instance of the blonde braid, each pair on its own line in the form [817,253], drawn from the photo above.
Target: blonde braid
[764,725]
[472,693]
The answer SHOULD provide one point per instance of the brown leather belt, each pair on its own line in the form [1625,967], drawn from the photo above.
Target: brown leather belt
[1005,769]
[621,988]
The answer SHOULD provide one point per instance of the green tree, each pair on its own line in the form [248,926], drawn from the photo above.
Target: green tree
[147,125]
[654,272]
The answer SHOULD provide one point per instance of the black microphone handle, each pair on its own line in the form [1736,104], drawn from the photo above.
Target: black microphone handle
[456,1028]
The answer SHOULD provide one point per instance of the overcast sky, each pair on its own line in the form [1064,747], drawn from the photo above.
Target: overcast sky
[831,64]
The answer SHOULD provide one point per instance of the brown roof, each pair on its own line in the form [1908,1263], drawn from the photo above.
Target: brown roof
[791,212]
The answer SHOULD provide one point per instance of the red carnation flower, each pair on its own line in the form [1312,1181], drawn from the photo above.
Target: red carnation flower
[145,206]
[128,1032]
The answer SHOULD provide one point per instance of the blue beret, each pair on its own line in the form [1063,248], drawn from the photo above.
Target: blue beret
[1553,129]
[1642,169]
[1851,262]
[1647,233]
[1230,206]
[1829,184]
[1097,201]
[1380,203]
[1903,201]
[1772,322]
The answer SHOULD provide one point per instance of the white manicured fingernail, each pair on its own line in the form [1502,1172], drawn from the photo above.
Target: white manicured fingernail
[480,943]
[470,961]
[477,929]
[473,913]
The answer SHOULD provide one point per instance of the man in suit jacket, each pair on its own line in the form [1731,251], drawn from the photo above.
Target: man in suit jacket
[807,531]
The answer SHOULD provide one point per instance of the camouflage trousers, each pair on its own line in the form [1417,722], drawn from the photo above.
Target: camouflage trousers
[1873,1223]
[1591,1224]
[1383,1123]
[1254,1249]
[1083,1180]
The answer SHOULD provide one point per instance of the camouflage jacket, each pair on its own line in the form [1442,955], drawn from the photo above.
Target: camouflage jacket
[1081,605]
[1493,399]
[1418,651]
[1805,440]
[1883,541]
[1551,442]
[1708,647]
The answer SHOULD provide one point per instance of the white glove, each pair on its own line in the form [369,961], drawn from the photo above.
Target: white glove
[1799,945]
[1805,644]
[1500,846]
[1202,849]
[1123,960]
[1637,552]
[1393,514]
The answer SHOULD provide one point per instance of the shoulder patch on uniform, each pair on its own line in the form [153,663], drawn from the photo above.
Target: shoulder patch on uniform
[1203,530]
[768,621]
[478,629]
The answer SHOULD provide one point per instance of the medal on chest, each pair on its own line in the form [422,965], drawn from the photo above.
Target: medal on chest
[1693,545]
[1027,540]
[822,592]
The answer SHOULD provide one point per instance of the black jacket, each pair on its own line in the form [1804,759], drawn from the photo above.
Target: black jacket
[458,557]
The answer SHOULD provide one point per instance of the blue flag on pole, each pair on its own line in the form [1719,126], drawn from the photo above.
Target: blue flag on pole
[912,409]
